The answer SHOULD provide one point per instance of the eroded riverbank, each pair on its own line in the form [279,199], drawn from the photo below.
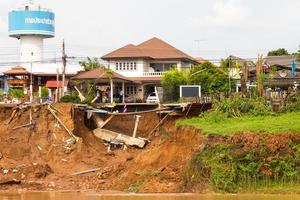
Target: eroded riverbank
[39,158]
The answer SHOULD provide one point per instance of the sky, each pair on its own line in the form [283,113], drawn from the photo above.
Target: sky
[211,29]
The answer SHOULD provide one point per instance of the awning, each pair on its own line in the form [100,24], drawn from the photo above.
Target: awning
[55,84]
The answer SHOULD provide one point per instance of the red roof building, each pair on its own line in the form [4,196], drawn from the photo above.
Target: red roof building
[147,62]
[153,49]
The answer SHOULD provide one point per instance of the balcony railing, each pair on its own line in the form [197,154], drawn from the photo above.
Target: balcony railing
[151,74]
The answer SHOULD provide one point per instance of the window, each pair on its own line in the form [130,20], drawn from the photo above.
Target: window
[134,90]
[130,90]
[131,66]
[127,66]
[39,80]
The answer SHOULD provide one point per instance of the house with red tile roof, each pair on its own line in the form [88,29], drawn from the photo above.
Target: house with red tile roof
[146,63]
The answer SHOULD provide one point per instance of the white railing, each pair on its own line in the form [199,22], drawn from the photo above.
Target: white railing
[153,73]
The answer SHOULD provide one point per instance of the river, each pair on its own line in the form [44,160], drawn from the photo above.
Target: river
[99,196]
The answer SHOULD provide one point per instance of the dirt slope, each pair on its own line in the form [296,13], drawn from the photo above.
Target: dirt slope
[39,158]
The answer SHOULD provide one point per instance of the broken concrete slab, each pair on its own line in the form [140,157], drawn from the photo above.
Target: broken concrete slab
[9,181]
[110,136]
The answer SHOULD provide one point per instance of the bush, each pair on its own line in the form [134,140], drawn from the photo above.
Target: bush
[44,93]
[171,81]
[16,93]
[212,79]
[70,99]
[235,165]
[236,106]
[292,103]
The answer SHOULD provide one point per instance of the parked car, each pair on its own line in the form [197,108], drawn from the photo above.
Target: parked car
[152,98]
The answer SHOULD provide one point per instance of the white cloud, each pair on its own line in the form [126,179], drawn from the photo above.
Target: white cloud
[3,24]
[224,13]
[242,27]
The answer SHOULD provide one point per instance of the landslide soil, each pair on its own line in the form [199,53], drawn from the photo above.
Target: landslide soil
[39,159]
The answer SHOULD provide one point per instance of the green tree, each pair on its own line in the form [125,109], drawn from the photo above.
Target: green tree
[171,81]
[279,52]
[91,64]
[212,79]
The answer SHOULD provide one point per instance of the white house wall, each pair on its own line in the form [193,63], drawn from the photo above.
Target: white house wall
[141,66]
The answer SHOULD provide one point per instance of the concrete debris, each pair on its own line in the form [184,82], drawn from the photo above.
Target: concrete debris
[85,172]
[51,185]
[110,136]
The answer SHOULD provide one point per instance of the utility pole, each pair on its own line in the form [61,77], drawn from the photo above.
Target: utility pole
[57,86]
[229,71]
[31,81]
[64,61]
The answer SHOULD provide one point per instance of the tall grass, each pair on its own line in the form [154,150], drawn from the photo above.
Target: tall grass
[218,123]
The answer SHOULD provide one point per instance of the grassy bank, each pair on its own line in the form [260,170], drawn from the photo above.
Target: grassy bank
[248,162]
[217,123]
[248,148]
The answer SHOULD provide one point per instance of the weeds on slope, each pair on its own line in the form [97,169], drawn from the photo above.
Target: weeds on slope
[230,167]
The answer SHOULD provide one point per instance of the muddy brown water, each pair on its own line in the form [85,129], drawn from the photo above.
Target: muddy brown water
[97,196]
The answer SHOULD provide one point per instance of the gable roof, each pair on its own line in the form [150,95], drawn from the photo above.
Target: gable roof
[17,71]
[153,49]
[99,73]
[281,61]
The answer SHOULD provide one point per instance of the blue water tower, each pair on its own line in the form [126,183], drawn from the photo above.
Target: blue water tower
[31,24]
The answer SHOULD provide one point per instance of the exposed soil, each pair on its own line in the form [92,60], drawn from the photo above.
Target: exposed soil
[41,159]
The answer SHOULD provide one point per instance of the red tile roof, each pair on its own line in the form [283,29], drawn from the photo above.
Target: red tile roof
[153,49]
[17,71]
[53,84]
[99,74]
[200,60]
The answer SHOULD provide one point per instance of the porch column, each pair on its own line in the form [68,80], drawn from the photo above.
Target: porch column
[143,92]
[111,91]
[123,89]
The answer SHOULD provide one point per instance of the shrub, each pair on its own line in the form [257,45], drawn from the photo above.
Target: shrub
[236,106]
[232,165]
[171,81]
[44,92]
[70,99]
[16,93]
[292,103]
